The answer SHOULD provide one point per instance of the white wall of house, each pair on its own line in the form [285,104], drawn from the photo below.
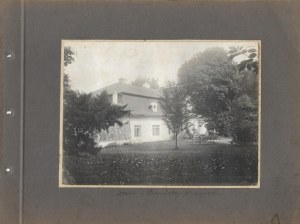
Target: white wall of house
[151,129]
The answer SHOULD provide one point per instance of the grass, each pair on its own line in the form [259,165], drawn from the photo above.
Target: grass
[160,164]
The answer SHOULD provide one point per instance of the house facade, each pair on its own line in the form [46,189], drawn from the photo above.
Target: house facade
[145,122]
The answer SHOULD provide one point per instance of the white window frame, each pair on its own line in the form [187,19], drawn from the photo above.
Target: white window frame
[154,106]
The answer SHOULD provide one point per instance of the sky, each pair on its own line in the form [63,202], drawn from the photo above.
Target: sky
[101,63]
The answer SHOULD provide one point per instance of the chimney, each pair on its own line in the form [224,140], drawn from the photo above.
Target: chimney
[146,85]
[122,81]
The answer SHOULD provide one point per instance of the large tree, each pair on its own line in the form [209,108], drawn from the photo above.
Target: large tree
[175,109]
[211,84]
[244,113]
[85,115]
[223,91]
[244,125]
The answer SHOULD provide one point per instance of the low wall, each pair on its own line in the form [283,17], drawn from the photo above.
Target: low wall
[118,142]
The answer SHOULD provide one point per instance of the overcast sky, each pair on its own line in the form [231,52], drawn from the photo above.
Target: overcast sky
[101,63]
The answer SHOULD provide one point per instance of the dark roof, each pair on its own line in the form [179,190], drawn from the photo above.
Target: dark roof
[130,89]
[140,106]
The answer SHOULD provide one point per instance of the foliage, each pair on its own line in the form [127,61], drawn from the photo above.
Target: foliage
[176,113]
[244,125]
[210,81]
[251,61]
[244,112]
[68,59]
[68,56]
[140,81]
[225,95]
[213,164]
[85,115]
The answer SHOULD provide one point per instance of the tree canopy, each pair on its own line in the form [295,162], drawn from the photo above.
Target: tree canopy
[222,92]
[85,115]
[210,81]
[175,109]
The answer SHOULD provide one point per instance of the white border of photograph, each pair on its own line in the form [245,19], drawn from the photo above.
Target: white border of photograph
[61,185]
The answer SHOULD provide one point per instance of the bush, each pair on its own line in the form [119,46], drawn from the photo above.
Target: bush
[246,133]
[84,116]
[245,121]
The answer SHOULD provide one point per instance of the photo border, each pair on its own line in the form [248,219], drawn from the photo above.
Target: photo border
[61,185]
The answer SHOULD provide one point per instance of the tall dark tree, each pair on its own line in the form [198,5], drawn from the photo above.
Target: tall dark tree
[175,109]
[211,84]
[244,124]
[85,115]
[223,92]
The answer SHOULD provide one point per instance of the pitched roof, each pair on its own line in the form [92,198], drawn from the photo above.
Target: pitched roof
[141,106]
[130,89]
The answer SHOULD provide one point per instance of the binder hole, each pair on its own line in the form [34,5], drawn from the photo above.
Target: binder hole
[7,170]
[9,55]
[9,112]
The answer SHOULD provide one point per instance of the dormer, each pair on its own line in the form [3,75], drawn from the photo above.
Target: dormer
[153,106]
[115,98]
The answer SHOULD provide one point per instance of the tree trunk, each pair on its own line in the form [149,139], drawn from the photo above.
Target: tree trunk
[176,140]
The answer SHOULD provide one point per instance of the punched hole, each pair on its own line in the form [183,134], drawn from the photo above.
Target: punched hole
[9,55]
[9,112]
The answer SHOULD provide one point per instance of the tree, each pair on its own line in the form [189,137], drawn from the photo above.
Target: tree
[140,81]
[85,115]
[245,121]
[244,124]
[245,107]
[68,59]
[250,54]
[211,84]
[223,92]
[175,109]
[68,56]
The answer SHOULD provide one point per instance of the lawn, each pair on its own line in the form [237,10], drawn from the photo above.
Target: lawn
[160,164]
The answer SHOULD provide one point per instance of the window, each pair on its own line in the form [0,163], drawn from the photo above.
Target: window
[115,97]
[137,130]
[153,107]
[120,99]
[155,130]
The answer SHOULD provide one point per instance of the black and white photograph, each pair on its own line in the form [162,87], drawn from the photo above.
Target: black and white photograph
[160,114]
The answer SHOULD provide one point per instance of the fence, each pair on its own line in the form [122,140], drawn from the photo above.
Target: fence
[114,134]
